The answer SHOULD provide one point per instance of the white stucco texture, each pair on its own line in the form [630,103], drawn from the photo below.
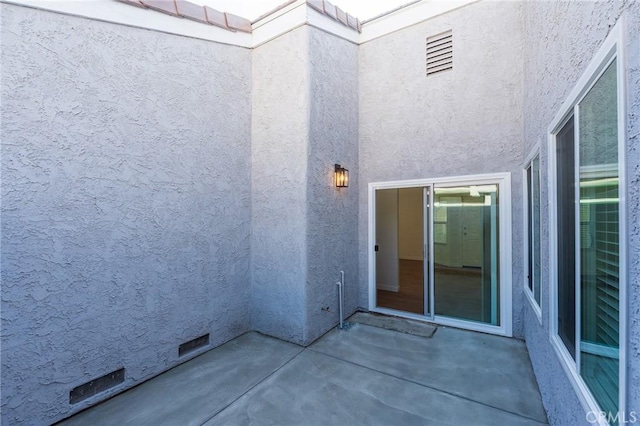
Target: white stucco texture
[305,120]
[332,213]
[125,204]
[156,188]
[561,40]
[279,133]
[461,122]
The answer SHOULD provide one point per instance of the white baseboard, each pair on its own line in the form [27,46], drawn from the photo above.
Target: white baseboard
[385,287]
[411,258]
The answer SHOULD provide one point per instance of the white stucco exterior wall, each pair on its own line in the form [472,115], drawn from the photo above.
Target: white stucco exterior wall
[305,119]
[560,41]
[460,122]
[332,213]
[125,204]
[633,200]
[279,151]
[157,187]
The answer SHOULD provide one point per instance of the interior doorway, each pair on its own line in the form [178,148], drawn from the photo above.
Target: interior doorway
[438,252]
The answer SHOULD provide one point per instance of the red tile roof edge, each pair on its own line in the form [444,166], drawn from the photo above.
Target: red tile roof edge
[334,12]
[186,9]
[134,3]
[230,22]
[163,6]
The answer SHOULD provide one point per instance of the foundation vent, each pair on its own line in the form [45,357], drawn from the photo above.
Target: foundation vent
[96,386]
[439,53]
[194,344]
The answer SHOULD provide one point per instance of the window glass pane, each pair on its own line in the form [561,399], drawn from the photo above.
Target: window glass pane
[466,254]
[566,236]
[535,226]
[599,241]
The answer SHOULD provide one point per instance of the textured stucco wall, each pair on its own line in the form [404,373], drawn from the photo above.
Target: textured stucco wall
[280,133]
[633,199]
[460,122]
[125,204]
[130,185]
[332,213]
[304,230]
[561,39]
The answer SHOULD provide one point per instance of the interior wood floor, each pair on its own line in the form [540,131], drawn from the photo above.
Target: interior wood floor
[458,291]
[410,298]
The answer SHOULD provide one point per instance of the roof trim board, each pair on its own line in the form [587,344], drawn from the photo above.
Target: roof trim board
[184,19]
[121,13]
[406,16]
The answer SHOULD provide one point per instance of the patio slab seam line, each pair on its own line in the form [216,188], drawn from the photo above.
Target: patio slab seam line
[252,387]
[544,422]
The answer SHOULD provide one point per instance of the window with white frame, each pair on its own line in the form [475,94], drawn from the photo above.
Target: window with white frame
[587,163]
[532,230]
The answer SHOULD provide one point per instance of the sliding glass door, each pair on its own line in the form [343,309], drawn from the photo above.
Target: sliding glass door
[401,251]
[466,252]
[436,251]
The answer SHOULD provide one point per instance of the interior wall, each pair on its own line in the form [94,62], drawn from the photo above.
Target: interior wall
[125,204]
[460,122]
[387,218]
[410,235]
[561,39]
[279,161]
[448,248]
[332,213]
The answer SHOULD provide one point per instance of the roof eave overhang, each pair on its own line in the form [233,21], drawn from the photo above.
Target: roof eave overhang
[268,27]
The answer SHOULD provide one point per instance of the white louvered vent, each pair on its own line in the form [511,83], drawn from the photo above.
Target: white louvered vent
[440,52]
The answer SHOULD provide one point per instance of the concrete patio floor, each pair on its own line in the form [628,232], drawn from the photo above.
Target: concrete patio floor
[364,375]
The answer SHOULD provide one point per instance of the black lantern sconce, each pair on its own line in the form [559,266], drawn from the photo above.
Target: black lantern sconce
[342,177]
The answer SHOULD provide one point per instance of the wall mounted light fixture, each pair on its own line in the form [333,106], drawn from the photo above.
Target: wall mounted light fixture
[342,177]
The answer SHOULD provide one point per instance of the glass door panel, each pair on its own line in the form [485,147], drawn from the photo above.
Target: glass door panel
[399,250]
[465,244]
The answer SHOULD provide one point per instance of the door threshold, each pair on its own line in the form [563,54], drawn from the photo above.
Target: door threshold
[446,321]
[403,314]
[395,323]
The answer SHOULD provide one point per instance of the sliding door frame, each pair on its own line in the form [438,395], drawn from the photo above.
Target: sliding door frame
[503,180]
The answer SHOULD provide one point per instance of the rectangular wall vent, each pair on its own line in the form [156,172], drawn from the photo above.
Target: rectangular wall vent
[96,386]
[194,344]
[440,52]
